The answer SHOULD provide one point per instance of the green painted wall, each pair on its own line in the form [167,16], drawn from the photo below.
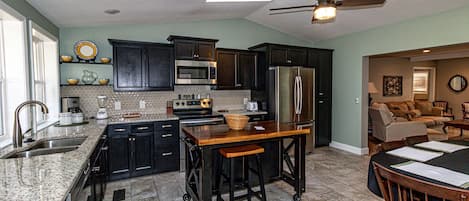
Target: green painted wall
[234,33]
[446,28]
[30,12]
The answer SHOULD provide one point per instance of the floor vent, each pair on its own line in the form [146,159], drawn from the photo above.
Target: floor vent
[118,195]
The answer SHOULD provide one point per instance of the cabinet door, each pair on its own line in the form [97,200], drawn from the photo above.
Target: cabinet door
[185,49]
[160,74]
[313,58]
[296,57]
[247,64]
[128,67]
[142,153]
[205,51]
[323,122]
[226,69]
[278,56]
[167,158]
[324,72]
[119,159]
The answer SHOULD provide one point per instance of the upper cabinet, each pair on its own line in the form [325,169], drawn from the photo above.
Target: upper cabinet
[321,60]
[236,69]
[190,48]
[141,66]
[283,55]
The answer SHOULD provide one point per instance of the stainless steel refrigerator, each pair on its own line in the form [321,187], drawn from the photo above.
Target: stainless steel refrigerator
[292,100]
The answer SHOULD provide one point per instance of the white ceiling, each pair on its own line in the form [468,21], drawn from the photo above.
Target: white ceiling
[67,13]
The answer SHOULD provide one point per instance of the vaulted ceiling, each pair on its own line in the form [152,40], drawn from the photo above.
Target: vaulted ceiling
[73,13]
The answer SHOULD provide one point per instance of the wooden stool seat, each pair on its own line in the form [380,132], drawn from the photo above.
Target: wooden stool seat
[239,151]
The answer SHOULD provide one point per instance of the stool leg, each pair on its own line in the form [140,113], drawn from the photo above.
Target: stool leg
[232,179]
[220,178]
[246,176]
[261,177]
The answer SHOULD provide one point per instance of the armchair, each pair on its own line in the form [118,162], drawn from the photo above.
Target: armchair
[387,129]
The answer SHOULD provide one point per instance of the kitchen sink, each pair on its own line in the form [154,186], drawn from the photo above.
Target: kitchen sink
[47,146]
[38,152]
[53,143]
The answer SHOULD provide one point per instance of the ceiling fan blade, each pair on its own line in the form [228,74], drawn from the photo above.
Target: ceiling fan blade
[292,7]
[287,12]
[352,3]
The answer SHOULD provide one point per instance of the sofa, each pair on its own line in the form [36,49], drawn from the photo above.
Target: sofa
[420,111]
[388,128]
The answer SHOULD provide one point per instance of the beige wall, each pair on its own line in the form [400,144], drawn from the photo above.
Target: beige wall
[445,70]
[380,67]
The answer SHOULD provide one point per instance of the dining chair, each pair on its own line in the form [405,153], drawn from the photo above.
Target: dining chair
[447,111]
[386,146]
[415,139]
[396,186]
[465,110]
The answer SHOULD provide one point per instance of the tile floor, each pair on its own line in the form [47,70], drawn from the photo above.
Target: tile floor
[330,175]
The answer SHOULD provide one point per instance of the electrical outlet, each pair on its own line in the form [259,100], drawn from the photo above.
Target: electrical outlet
[245,100]
[117,105]
[357,100]
[142,104]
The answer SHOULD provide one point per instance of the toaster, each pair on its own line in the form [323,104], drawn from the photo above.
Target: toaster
[252,106]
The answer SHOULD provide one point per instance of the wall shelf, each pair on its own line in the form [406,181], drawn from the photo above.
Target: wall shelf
[78,62]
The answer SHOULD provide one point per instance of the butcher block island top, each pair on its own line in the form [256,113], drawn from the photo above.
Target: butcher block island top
[221,134]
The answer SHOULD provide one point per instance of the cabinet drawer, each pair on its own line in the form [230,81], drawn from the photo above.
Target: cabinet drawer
[167,125]
[142,128]
[167,158]
[259,117]
[119,129]
[167,137]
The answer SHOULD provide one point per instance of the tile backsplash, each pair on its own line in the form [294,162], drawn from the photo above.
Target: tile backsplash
[155,101]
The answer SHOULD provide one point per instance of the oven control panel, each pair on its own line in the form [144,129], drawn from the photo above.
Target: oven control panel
[204,103]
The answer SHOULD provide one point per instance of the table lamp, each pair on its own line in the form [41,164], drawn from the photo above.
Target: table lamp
[371,90]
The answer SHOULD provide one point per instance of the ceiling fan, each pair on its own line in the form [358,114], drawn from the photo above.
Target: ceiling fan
[325,10]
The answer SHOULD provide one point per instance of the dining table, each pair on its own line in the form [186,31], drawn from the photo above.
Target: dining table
[202,143]
[457,161]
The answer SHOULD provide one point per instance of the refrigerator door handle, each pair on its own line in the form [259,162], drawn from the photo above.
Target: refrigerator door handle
[300,99]
[297,95]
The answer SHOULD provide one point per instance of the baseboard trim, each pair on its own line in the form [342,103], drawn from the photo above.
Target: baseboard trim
[349,148]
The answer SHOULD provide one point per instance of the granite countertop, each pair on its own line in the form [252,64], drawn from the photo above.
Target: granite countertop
[244,112]
[117,119]
[51,177]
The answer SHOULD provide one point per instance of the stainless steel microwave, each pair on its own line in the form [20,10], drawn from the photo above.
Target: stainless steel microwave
[195,72]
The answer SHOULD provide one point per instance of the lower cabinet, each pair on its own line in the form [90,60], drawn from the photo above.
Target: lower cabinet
[143,149]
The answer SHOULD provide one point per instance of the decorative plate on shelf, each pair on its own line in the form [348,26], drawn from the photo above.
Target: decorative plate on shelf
[85,50]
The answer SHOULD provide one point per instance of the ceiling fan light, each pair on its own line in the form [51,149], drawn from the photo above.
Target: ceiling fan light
[325,12]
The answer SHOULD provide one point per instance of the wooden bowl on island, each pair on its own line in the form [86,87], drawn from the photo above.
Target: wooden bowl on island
[236,121]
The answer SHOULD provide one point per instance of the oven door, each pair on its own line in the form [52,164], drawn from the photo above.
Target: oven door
[193,122]
[195,72]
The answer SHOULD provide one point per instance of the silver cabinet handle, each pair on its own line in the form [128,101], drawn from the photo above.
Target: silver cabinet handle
[120,130]
[321,102]
[130,139]
[143,128]
[96,169]
[167,126]
[238,85]
[289,61]
[320,93]
[104,148]
[167,154]
[167,135]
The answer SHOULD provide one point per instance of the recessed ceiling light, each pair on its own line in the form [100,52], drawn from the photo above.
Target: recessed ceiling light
[426,51]
[217,1]
[112,11]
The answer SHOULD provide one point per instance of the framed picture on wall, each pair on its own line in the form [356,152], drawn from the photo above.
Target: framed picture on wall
[392,85]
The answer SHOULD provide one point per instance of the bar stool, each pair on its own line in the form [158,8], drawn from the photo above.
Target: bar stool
[245,152]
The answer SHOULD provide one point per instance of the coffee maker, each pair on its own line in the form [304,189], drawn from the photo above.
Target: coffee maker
[71,104]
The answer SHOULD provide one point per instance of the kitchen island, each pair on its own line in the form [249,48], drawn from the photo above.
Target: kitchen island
[203,141]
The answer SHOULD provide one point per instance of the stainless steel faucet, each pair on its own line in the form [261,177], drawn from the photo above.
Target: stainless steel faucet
[17,133]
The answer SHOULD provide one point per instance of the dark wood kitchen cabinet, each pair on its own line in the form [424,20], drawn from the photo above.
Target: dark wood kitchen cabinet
[236,69]
[191,48]
[321,60]
[283,55]
[143,148]
[142,66]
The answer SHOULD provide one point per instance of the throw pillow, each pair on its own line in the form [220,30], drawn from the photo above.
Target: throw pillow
[425,107]
[411,105]
[416,113]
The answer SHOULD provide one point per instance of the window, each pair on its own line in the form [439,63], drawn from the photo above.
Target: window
[421,82]
[13,68]
[45,87]
[21,80]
